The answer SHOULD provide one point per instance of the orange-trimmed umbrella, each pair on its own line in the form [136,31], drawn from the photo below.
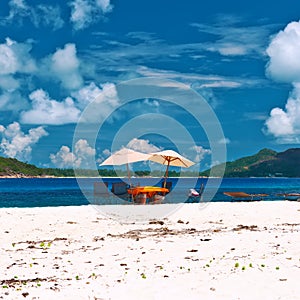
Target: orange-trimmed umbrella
[170,158]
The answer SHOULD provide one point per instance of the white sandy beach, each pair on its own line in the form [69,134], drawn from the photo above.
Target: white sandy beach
[222,251]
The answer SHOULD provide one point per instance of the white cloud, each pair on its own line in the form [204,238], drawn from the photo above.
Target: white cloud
[221,84]
[87,94]
[45,110]
[106,152]
[207,94]
[284,66]
[196,80]
[227,49]
[15,143]
[46,15]
[200,152]
[130,60]
[104,5]
[82,156]
[15,57]
[83,150]
[64,158]
[142,146]
[284,63]
[86,12]
[279,123]
[15,62]
[16,67]
[284,124]
[12,101]
[153,103]
[105,97]
[18,8]
[233,39]
[9,83]
[224,141]
[8,59]
[81,13]
[65,66]
[48,111]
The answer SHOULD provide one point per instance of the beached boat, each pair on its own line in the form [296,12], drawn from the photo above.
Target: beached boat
[291,196]
[242,196]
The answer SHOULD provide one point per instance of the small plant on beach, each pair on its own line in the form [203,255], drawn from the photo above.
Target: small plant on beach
[13,244]
[262,265]
[143,276]
[77,277]
[277,268]
[4,286]
[250,265]
[243,268]
[207,265]
[236,265]
[45,245]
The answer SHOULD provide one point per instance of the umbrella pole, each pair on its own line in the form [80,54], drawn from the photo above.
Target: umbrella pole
[128,174]
[166,174]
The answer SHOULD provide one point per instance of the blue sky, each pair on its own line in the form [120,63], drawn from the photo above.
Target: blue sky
[56,57]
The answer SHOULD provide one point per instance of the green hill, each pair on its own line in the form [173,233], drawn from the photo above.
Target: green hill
[265,163]
[14,167]
[11,167]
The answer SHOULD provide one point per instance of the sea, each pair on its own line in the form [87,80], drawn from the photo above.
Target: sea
[44,192]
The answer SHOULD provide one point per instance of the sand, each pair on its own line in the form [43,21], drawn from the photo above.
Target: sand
[219,251]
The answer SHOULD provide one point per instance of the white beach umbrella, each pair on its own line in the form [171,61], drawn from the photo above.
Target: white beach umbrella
[124,156]
[170,158]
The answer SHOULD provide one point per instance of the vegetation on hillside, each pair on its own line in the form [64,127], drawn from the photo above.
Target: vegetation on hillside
[263,164]
[242,166]
[12,167]
[266,163]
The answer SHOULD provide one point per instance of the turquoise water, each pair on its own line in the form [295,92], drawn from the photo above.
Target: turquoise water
[40,192]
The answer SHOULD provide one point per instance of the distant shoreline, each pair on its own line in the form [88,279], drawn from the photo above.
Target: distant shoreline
[144,177]
[26,176]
